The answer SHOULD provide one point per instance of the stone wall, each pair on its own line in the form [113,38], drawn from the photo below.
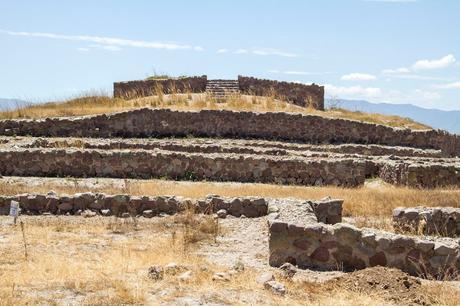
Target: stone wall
[341,246]
[239,146]
[147,206]
[442,221]
[420,174]
[143,88]
[296,93]
[181,166]
[219,123]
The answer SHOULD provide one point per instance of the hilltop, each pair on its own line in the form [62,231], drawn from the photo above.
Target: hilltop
[97,104]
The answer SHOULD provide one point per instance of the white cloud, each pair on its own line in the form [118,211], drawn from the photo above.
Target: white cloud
[294,72]
[106,47]
[265,52]
[417,96]
[198,48]
[223,50]
[352,91]
[108,41]
[269,51]
[400,70]
[83,49]
[418,77]
[443,62]
[358,77]
[454,85]
[241,51]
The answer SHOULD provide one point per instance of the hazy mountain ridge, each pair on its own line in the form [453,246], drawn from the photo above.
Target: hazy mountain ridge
[7,104]
[438,119]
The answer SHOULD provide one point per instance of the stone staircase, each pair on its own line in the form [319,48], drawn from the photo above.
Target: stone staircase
[222,89]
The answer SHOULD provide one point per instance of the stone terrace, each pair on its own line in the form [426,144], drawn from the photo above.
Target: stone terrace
[238,146]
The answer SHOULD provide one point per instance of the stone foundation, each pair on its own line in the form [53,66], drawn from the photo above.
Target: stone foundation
[420,174]
[147,206]
[296,93]
[181,166]
[143,88]
[317,245]
[240,146]
[439,221]
[144,123]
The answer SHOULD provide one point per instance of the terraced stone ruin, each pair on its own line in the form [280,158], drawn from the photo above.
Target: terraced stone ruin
[279,148]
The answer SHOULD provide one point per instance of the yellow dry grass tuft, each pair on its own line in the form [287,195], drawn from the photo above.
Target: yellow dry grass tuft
[95,103]
[86,263]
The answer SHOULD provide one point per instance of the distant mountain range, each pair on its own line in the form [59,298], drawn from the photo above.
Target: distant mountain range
[438,119]
[7,104]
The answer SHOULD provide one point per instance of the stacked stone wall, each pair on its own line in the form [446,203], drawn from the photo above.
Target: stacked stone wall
[143,88]
[442,221]
[181,166]
[296,93]
[416,174]
[219,123]
[147,206]
[321,246]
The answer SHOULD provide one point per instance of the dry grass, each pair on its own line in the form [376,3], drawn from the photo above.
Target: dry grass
[80,261]
[90,104]
[359,202]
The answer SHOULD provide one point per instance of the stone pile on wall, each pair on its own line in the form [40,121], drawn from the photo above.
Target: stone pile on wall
[439,221]
[221,123]
[147,206]
[317,245]
[143,88]
[296,93]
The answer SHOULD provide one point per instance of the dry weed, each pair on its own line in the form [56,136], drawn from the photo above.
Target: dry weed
[97,103]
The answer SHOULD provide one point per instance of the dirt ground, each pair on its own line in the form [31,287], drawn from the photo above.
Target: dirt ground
[72,260]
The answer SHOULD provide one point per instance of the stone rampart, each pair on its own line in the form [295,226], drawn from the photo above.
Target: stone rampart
[143,88]
[439,221]
[317,245]
[239,146]
[220,123]
[182,166]
[147,206]
[296,93]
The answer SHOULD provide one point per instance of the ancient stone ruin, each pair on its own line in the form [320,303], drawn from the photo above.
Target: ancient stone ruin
[296,93]
[322,242]
[320,151]
[124,205]
[440,221]
[265,147]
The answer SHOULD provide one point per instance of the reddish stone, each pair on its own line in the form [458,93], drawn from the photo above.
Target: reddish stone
[320,254]
[278,227]
[302,243]
[357,263]
[330,244]
[379,259]
[345,249]
[295,230]
[396,249]
[413,255]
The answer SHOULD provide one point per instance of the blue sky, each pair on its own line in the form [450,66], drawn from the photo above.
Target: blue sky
[398,51]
